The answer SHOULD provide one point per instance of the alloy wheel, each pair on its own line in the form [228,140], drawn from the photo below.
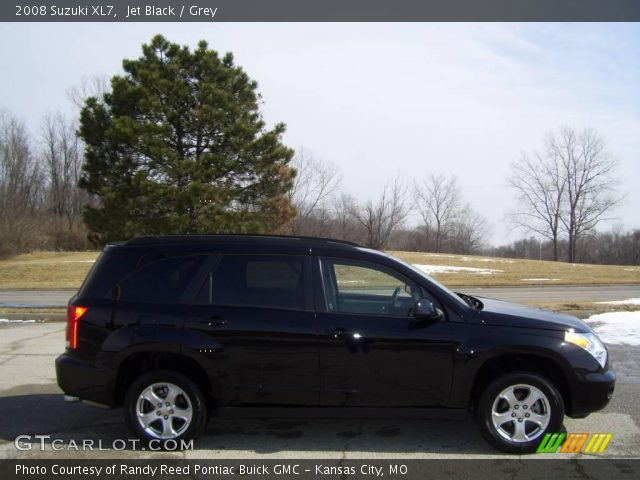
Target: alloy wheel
[164,410]
[520,413]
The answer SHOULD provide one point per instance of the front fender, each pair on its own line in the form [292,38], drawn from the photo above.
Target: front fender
[479,346]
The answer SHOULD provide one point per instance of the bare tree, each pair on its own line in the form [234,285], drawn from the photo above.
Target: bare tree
[20,185]
[94,86]
[382,217]
[62,155]
[314,183]
[469,231]
[588,168]
[567,189]
[344,222]
[438,201]
[540,188]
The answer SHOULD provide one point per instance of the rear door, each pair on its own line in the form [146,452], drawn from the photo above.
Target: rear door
[371,352]
[151,300]
[258,309]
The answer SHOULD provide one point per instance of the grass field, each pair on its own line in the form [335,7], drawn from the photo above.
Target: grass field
[491,271]
[42,270]
[66,270]
[59,270]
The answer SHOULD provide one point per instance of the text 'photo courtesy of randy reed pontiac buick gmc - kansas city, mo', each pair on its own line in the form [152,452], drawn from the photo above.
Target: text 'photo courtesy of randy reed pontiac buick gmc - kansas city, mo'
[178,330]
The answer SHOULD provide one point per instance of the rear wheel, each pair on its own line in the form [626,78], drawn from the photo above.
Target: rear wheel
[164,405]
[516,410]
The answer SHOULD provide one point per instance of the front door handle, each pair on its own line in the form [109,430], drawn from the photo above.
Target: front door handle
[339,332]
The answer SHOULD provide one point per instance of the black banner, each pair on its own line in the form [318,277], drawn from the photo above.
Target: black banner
[319,11]
[333,469]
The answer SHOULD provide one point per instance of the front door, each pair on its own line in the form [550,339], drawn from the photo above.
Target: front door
[371,353]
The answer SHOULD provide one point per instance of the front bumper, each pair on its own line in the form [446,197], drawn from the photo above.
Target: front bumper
[84,380]
[591,392]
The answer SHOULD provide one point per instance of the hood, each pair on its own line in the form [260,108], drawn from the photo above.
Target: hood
[497,312]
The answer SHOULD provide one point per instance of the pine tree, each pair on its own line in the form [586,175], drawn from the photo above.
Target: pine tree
[178,146]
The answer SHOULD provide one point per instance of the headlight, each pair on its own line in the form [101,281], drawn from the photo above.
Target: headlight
[590,342]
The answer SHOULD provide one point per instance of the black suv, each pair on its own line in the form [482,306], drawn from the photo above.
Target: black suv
[177,329]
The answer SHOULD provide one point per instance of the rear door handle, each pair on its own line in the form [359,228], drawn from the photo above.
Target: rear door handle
[215,321]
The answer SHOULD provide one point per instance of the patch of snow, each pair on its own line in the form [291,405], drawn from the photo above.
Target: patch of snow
[430,269]
[539,279]
[6,320]
[486,260]
[620,328]
[631,269]
[629,301]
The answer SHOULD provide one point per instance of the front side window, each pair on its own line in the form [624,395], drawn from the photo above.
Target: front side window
[256,280]
[163,281]
[363,288]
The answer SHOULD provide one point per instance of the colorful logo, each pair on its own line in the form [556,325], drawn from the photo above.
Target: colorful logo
[574,443]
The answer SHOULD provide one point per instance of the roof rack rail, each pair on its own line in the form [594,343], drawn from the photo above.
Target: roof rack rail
[154,239]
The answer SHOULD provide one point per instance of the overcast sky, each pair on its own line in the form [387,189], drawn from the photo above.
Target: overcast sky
[378,99]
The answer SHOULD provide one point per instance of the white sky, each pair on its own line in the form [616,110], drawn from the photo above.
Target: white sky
[378,99]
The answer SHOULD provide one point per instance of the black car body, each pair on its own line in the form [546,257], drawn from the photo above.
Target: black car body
[224,324]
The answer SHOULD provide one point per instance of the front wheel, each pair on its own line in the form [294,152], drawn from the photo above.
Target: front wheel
[516,410]
[164,405]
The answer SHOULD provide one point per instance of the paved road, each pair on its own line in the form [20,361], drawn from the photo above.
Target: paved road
[558,293]
[548,293]
[35,298]
[32,404]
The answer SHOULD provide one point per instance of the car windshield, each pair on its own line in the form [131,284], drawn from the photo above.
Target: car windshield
[451,293]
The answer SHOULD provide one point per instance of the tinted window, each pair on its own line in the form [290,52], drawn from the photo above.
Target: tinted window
[163,281]
[256,280]
[113,265]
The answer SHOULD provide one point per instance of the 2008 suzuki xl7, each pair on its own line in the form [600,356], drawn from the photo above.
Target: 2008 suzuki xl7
[177,329]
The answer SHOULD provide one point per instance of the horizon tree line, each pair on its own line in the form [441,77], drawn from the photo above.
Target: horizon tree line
[41,206]
[177,144]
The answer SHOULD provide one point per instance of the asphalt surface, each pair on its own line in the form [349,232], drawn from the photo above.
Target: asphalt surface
[557,293]
[32,404]
[542,293]
[35,298]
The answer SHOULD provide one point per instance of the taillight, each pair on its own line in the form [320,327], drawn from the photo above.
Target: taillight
[74,314]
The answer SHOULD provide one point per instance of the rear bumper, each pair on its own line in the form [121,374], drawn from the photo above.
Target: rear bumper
[84,380]
[591,392]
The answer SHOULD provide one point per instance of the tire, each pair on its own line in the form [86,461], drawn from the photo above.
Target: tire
[183,411]
[515,411]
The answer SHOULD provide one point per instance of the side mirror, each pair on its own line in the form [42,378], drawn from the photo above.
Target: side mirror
[425,312]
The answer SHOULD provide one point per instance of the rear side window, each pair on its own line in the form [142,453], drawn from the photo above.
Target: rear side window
[163,281]
[256,280]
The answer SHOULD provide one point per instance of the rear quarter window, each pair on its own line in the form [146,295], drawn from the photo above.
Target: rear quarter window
[162,281]
[113,264]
